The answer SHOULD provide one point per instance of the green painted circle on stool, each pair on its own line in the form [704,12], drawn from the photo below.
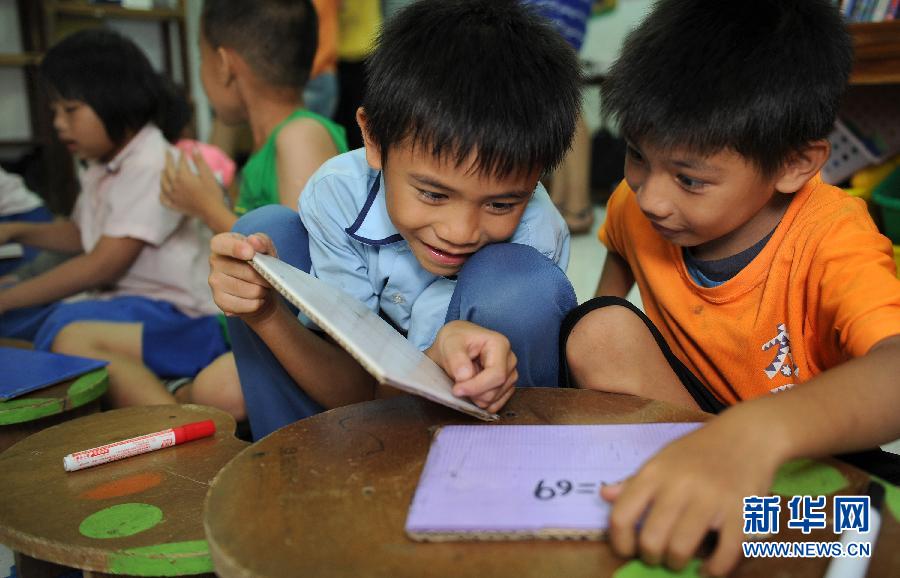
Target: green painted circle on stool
[808,477]
[891,497]
[171,559]
[87,388]
[29,409]
[120,521]
[637,569]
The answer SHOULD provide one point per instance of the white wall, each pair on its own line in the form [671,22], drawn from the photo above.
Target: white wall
[602,43]
[14,112]
[14,115]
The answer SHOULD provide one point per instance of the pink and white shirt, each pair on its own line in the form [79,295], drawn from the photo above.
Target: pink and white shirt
[121,199]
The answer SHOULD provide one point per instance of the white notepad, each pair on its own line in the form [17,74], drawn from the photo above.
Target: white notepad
[377,346]
[11,251]
[493,482]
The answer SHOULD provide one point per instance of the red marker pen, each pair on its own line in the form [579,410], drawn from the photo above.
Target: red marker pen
[139,445]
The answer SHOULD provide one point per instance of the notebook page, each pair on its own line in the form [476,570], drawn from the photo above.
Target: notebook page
[377,346]
[528,481]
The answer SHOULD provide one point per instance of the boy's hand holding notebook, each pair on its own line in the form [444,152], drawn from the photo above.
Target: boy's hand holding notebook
[377,346]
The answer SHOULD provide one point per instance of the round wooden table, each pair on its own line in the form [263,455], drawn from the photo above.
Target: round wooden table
[138,516]
[22,416]
[329,496]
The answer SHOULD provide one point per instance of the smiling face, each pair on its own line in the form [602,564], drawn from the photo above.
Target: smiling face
[447,212]
[718,204]
[81,130]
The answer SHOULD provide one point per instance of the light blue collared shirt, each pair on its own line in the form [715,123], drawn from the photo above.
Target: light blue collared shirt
[354,245]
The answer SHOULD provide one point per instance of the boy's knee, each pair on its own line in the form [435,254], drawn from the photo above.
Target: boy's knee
[265,219]
[284,228]
[508,279]
[73,339]
[606,342]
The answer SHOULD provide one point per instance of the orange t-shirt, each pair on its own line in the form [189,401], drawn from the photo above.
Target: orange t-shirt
[822,290]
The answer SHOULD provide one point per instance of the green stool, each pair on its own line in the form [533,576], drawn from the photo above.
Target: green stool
[38,410]
[139,516]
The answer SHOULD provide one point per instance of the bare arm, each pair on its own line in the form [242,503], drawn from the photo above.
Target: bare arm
[709,472]
[196,194]
[103,266]
[850,407]
[61,235]
[616,279]
[302,146]
[322,369]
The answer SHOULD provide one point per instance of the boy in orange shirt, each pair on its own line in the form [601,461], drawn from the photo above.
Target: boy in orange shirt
[761,283]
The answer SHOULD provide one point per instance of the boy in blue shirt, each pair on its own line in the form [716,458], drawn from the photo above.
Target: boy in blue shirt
[439,223]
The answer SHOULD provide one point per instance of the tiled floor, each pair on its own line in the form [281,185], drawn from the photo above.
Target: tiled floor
[586,260]
[585,263]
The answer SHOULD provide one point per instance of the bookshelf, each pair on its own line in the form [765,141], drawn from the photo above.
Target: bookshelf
[41,24]
[19,59]
[877,49]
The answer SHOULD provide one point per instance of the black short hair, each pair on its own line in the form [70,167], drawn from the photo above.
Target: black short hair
[488,76]
[277,38]
[761,77]
[110,74]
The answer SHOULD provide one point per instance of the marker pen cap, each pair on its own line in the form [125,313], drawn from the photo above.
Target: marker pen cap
[192,431]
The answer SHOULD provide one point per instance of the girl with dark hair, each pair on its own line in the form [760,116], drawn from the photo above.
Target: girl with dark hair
[139,264]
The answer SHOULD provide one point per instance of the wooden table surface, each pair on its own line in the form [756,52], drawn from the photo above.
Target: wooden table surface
[137,516]
[329,495]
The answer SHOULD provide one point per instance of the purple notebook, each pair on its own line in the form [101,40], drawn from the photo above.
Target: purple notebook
[521,482]
[25,370]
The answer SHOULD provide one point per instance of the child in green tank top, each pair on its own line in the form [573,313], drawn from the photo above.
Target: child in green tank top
[255,58]
[259,177]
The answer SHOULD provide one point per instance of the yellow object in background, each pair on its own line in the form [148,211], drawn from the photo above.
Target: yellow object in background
[862,193]
[358,22]
[897,258]
[864,181]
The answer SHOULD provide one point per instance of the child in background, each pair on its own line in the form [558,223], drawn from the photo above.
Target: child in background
[439,223]
[18,204]
[569,186]
[255,59]
[143,265]
[320,94]
[766,289]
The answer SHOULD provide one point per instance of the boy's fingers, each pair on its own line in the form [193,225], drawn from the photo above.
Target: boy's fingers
[507,393]
[728,550]
[627,510]
[656,530]
[512,376]
[611,492]
[689,532]
[202,166]
[459,367]
[261,243]
[183,167]
[485,380]
[232,245]
[169,169]
[492,357]
[234,305]
[251,288]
